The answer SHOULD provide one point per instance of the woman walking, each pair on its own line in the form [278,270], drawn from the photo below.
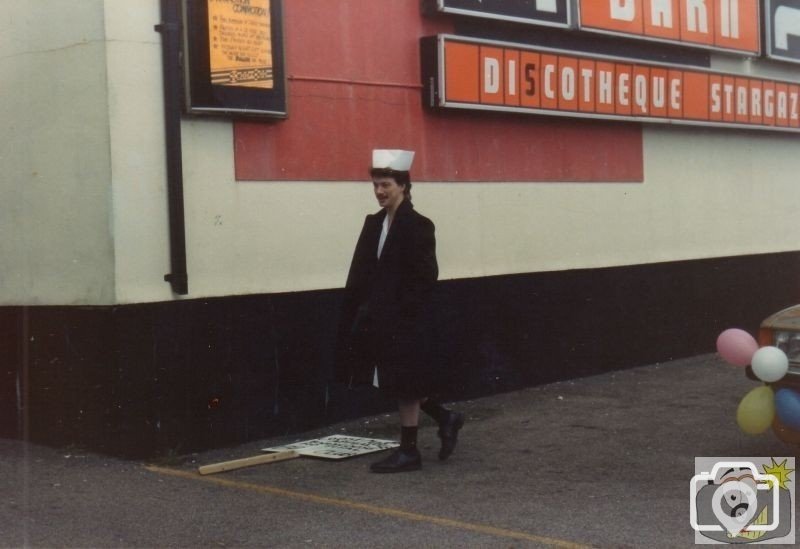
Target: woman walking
[387,318]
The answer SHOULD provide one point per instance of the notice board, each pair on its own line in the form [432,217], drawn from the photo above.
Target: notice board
[233,58]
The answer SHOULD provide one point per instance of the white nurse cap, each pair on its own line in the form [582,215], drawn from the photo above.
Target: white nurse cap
[392,159]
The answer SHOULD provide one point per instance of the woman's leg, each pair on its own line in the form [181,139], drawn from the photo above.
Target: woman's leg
[449,424]
[405,458]
[409,412]
[409,422]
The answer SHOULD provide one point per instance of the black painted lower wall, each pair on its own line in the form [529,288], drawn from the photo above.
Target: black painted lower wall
[142,380]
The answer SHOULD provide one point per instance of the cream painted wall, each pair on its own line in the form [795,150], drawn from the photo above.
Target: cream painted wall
[136,125]
[87,165]
[707,193]
[56,242]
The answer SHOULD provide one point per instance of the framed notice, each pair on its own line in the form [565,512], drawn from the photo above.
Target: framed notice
[233,58]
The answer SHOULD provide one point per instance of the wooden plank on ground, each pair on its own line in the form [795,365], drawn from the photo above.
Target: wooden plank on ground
[246,462]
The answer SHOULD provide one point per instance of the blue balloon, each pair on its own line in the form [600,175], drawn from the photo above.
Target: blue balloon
[787,406]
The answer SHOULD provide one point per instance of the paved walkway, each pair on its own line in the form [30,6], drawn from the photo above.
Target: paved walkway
[602,461]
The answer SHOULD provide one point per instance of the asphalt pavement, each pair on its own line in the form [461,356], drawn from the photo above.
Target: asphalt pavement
[603,461]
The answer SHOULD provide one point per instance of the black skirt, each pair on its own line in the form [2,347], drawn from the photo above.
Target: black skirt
[404,360]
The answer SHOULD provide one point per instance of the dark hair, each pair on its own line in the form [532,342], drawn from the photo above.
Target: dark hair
[401,178]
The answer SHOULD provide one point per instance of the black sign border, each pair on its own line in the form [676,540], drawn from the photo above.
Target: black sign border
[769,37]
[440,6]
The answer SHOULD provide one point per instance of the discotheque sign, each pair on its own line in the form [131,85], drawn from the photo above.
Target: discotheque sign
[499,76]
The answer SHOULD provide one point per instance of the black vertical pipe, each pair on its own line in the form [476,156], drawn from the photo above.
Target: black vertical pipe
[170,29]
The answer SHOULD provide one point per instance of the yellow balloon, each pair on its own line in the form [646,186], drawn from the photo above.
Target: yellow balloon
[756,410]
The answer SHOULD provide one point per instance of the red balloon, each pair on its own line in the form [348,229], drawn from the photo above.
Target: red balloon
[737,346]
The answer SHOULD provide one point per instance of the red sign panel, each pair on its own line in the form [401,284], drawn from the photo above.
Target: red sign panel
[478,74]
[731,25]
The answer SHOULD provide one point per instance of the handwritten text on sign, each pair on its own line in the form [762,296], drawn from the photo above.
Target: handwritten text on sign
[336,446]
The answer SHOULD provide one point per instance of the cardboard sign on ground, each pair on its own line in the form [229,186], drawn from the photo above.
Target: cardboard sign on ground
[336,446]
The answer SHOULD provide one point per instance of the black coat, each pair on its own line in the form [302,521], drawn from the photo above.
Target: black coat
[387,317]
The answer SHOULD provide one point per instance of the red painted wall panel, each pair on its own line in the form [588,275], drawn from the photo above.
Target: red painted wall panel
[354,84]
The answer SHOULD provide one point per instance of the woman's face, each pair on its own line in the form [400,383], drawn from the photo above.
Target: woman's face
[388,192]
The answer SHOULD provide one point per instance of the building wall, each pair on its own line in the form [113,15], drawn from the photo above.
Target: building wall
[563,272]
[57,244]
[136,126]
[87,192]
[704,192]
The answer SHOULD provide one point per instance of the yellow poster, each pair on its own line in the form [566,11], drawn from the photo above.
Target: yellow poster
[240,43]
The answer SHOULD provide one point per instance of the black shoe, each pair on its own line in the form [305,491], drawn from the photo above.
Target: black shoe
[400,461]
[448,432]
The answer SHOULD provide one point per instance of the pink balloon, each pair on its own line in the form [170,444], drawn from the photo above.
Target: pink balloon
[736,346]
